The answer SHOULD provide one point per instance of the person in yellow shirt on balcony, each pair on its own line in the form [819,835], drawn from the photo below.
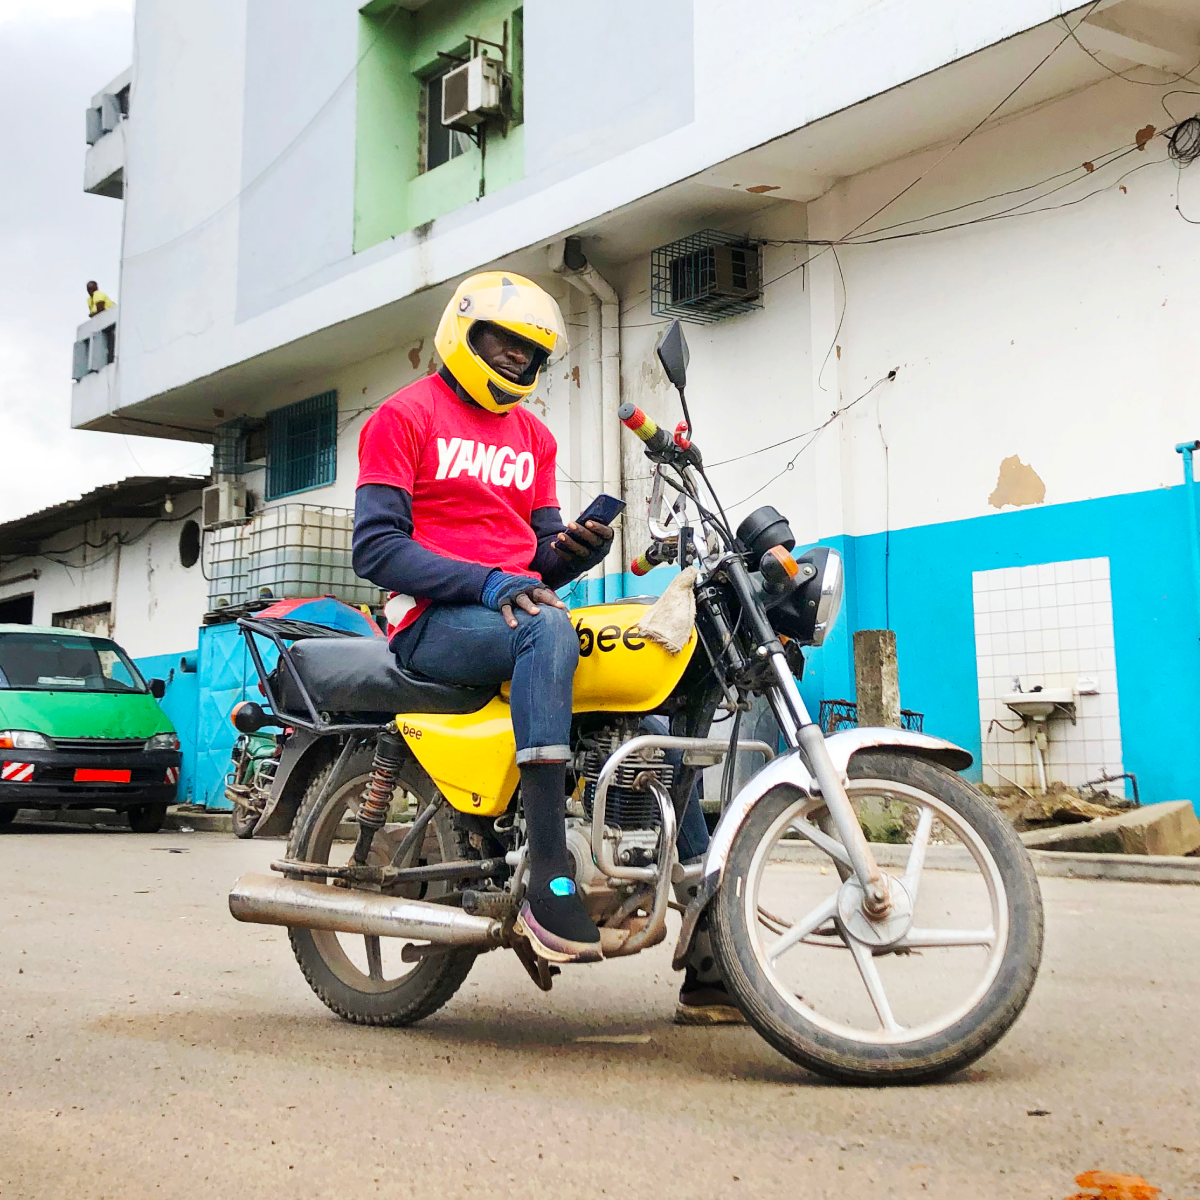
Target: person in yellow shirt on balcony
[98,302]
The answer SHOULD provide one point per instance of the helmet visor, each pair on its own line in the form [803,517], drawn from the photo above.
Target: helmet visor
[522,308]
[538,356]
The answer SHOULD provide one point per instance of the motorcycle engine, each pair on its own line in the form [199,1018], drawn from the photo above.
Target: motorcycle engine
[631,817]
[626,808]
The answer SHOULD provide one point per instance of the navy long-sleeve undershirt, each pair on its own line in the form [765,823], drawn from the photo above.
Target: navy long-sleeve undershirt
[386,554]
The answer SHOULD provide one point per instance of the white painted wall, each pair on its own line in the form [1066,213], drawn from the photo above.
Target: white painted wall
[157,603]
[1062,337]
[186,166]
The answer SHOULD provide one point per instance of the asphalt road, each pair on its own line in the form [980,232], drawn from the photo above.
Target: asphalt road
[154,1047]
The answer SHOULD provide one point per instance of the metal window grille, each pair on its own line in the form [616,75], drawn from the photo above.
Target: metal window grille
[706,277]
[229,446]
[302,446]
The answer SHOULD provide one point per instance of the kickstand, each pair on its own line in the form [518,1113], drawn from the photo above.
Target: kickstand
[539,970]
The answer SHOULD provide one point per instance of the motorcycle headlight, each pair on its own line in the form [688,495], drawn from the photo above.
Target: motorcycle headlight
[162,741]
[23,739]
[831,580]
[809,612]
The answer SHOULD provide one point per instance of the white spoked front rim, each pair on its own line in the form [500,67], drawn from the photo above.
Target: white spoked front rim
[918,928]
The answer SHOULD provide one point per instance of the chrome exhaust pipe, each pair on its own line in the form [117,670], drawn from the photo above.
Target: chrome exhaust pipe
[274,900]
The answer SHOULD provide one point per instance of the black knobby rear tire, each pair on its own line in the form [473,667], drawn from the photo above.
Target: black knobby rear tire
[244,821]
[147,818]
[427,986]
[861,1062]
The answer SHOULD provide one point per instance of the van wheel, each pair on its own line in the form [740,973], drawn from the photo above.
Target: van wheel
[147,818]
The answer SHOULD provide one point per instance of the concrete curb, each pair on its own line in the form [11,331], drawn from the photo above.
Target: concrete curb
[1126,868]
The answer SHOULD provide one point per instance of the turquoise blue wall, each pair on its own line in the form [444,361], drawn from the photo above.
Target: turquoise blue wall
[928,597]
[179,704]
[1145,537]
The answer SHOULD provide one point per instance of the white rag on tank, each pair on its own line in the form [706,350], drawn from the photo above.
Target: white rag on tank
[671,617]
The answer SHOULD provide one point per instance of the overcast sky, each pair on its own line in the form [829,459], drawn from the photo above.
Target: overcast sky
[54,55]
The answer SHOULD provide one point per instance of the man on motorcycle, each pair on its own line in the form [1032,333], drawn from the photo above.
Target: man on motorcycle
[456,514]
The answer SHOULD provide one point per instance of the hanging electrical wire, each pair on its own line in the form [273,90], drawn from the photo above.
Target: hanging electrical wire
[1183,143]
[813,434]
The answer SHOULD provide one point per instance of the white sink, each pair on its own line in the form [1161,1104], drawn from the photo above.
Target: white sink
[1037,706]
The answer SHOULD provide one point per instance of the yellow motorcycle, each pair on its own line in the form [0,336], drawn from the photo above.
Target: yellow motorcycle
[874,916]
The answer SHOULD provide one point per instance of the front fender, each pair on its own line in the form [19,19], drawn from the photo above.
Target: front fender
[788,770]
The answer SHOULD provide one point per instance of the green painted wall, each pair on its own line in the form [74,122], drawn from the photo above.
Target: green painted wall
[397,50]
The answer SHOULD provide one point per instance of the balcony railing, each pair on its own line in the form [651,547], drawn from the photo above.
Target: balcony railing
[95,344]
[104,163]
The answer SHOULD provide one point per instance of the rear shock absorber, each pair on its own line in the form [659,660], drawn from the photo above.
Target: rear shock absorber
[377,795]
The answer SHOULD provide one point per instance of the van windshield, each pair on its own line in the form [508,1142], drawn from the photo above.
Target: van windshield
[47,662]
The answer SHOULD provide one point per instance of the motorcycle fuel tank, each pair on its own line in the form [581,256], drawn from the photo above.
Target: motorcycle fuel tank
[472,757]
[619,670]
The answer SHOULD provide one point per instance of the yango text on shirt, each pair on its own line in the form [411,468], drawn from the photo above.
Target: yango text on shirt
[501,465]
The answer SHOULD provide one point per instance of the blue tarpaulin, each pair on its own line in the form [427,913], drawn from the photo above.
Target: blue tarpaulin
[227,676]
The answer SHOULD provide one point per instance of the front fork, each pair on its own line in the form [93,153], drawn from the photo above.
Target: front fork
[800,732]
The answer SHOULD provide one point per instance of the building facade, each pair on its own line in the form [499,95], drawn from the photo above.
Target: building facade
[965,361]
[122,562]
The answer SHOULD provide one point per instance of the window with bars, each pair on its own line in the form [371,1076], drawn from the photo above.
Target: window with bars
[302,446]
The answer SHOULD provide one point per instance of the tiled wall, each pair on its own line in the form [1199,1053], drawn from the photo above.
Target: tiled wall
[1052,625]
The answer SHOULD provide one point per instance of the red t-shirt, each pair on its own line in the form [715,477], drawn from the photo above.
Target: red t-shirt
[474,477]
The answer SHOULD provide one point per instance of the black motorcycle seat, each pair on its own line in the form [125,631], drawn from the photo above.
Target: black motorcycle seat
[361,675]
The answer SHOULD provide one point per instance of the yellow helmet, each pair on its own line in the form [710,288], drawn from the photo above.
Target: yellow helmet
[513,303]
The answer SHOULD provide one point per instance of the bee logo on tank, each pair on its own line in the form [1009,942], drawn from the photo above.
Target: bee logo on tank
[606,638]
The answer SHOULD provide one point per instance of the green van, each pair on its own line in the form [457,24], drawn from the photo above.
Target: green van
[80,728]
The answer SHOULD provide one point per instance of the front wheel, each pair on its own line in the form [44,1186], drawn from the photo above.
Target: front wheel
[905,1000]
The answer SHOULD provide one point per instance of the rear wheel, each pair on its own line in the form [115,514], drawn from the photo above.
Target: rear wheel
[147,818]
[244,820]
[906,1000]
[8,815]
[361,978]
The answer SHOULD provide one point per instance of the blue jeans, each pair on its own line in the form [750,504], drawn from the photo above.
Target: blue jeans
[470,644]
[692,839]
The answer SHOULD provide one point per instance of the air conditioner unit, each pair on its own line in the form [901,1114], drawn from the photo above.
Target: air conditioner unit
[224,503]
[728,272]
[473,93]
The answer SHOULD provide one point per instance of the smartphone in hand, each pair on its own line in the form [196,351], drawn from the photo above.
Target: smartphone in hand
[605,509]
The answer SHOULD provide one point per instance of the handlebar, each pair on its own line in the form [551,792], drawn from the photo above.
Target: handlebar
[653,556]
[657,440]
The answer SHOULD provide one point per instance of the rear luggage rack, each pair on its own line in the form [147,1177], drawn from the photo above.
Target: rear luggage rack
[276,630]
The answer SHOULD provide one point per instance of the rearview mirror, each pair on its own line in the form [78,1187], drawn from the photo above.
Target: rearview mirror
[672,351]
[158,689]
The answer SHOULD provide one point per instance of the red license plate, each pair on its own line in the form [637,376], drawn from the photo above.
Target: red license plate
[86,775]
